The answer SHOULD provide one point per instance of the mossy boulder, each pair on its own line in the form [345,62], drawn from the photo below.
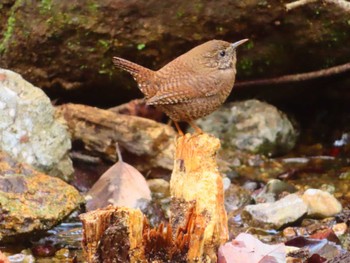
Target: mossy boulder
[31,201]
[252,126]
[67,46]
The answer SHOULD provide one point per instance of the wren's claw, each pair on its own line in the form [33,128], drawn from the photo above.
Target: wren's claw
[195,127]
[181,133]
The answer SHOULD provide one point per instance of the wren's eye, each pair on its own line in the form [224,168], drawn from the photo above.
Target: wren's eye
[222,53]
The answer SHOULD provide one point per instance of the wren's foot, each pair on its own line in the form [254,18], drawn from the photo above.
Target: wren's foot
[178,129]
[195,127]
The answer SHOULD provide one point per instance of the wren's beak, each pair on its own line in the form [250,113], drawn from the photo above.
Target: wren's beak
[238,43]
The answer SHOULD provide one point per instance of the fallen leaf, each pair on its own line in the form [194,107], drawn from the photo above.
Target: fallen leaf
[120,185]
[246,248]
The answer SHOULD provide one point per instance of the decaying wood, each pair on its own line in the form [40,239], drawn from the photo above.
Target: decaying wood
[113,234]
[198,221]
[196,180]
[147,143]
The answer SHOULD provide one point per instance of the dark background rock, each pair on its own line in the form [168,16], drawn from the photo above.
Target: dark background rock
[67,46]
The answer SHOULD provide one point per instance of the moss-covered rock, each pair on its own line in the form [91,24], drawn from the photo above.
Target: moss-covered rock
[60,44]
[31,201]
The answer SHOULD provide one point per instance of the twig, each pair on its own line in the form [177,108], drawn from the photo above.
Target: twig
[298,3]
[297,77]
[343,4]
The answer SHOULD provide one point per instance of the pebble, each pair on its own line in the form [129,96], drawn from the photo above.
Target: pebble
[286,210]
[321,203]
[340,229]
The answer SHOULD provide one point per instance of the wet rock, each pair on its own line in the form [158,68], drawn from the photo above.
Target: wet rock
[252,126]
[24,257]
[29,130]
[286,210]
[272,191]
[321,204]
[342,258]
[31,201]
[236,197]
[159,187]
[340,229]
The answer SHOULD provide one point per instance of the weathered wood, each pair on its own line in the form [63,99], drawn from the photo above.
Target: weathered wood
[147,144]
[113,234]
[196,181]
[198,221]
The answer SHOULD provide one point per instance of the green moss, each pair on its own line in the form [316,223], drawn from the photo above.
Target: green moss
[180,13]
[8,32]
[45,6]
[249,45]
[245,65]
[198,6]
[219,29]
[104,43]
[93,7]
[141,46]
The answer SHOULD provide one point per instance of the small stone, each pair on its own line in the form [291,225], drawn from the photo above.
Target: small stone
[286,210]
[289,232]
[159,186]
[293,260]
[236,197]
[321,203]
[273,190]
[226,182]
[25,256]
[340,229]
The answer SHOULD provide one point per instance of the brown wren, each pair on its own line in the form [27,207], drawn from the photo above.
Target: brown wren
[191,86]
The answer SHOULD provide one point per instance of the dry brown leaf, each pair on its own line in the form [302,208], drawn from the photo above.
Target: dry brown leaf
[120,185]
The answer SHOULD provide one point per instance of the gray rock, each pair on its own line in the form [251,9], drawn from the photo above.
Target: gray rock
[29,131]
[159,186]
[321,203]
[286,210]
[252,126]
[236,197]
[272,190]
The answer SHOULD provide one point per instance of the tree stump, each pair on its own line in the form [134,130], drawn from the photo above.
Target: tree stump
[198,221]
[196,181]
[113,234]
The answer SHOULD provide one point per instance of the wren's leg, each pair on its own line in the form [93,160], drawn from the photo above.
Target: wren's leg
[195,127]
[178,129]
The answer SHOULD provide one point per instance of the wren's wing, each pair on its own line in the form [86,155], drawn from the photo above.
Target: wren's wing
[142,75]
[184,88]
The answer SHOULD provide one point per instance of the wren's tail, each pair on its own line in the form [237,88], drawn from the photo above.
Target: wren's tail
[142,75]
